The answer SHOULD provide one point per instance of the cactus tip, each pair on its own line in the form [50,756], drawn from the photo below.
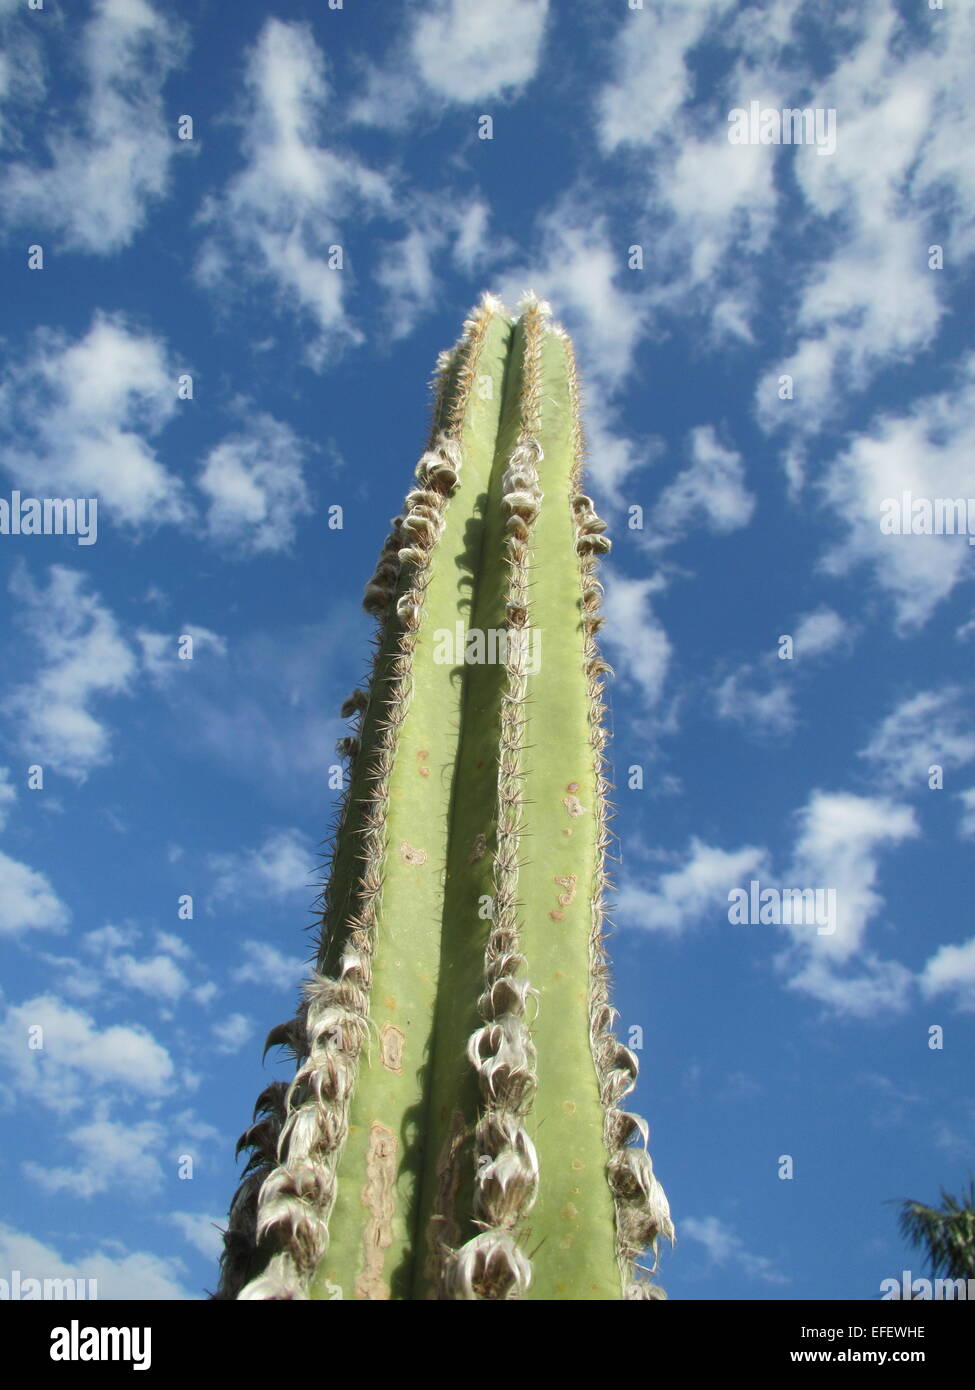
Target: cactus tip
[531,303]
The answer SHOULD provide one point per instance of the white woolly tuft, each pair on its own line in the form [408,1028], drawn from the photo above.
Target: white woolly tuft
[488,1267]
[530,301]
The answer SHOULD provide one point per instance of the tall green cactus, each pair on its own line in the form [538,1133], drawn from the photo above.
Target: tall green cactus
[453,1128]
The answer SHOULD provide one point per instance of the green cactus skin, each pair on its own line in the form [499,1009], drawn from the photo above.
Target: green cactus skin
[453,1129]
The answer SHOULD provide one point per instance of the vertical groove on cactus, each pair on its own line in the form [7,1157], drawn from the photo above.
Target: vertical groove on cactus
[491,1265]
[432,1136]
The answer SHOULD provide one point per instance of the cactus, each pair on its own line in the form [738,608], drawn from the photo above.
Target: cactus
[453,1128]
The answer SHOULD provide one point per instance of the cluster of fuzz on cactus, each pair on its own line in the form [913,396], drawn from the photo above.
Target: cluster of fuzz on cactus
[454,1127]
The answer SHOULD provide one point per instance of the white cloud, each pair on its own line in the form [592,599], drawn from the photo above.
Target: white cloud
[122,1275]
[173,946]
[84,658]
[470,249]
[711,492]
[266,965]
[760,695]
[201,1231]
[465,52]
[967,826]
[864,297]
[284,863]
[703,198]
[455,52]
[818,632]
[407,269]
[161,650]
[932,727]
[105,166]
[79,416]
[8,795]
[926,452]
[634,635]
[651,80]
[119,1057]
[839,845]
[724,1247]
[232,1032]
[872,300]
[105,940]
[22,76]
[758,698]
[882,986]
[719,197]
[27,900]
[840,842]
[951,970]
[256,487]
[699,888]
[276,219]
[76,979]
[157,976]
[111,1155]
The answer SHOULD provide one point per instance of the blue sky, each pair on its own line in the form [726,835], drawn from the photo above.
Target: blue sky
[358,128]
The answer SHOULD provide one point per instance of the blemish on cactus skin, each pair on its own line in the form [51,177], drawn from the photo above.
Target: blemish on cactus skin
[557,916]
[573,805]
[478,848]
[377,1198]
[392,1041]
[568,1107]
[572,787]
[411,855]
[568,882]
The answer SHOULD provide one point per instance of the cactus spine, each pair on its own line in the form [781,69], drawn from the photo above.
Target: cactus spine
[453,1128]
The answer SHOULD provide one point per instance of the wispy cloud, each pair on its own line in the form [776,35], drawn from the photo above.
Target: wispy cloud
[451,52]
[84,659]
[276,219]
[725,1247]
[107,163]
[79,417]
